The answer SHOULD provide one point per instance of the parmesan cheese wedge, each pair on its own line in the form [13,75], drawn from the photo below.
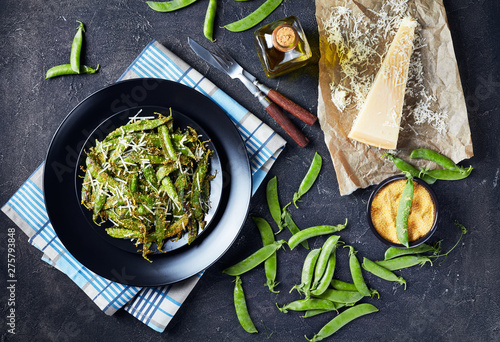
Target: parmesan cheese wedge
[379,120]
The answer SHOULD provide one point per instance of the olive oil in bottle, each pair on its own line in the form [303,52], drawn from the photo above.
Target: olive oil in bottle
[282,46]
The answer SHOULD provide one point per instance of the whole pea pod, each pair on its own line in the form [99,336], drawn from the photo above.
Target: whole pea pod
[308,304]
[254,259]
[270,265]
[76,48]
[393,252]
[309,178]
[382,272]
[324,257]
[273,202]
[436,157]
[448,174]
[169,6]
[241,308]
[403,212]
[404,262]
[291,225]
[312,232]
[255,17]
[342,319]
[65,69]
[307,273]
[356,273]
[407,167]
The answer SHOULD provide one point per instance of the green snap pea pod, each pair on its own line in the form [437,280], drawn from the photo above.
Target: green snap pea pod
[312,313]
[308,304]
[76,48]
[241,308]
[141,125]
[382,272]
[312,232]
[404,262]
[166,143]
[406,167]
[273,202]
[168,187]
[403,212]
[339,296]
[448,174]
[324,258]
[304,287]
[121,233]
[150,176]
[208,25]
[65,69]
[393,252]
[270,265]
[254,259]
[356,273]
[309,178]
[290,224]
[342,285]
[327,276]
[342,319]
[169,6]
[436,157]
[255,17]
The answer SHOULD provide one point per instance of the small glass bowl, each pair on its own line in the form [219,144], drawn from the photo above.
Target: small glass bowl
[411,243]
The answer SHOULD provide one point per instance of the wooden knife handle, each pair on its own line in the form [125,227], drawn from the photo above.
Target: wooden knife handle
[292,107]
[287,124]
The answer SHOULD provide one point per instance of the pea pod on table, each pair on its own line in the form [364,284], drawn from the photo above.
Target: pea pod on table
[273,202]
[404,262]
[312,232]
[255,17]
[270,265]
[76,48]
[407,167]
[393,252]
[382,272]
[309,178]
[169,6]
[208,25]
[356,273]
[254,259]
[241,308]
[304,287]
[288,222]
[342,319]
[308,304]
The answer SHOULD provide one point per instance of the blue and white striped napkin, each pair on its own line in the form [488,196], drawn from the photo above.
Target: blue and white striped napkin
[154,306]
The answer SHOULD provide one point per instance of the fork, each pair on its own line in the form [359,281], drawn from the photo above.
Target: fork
[234,70]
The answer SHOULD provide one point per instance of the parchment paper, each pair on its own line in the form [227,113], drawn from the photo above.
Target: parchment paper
[358,165]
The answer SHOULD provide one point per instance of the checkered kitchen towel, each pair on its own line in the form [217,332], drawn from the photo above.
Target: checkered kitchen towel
[154,306]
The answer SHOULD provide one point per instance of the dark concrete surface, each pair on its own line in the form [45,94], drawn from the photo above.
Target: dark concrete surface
[456,301]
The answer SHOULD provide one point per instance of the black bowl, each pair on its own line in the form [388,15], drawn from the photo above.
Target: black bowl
[412,243]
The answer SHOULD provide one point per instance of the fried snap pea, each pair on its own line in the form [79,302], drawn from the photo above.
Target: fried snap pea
[129,182]
[76,48]
[241,308]
[254,259]
[309,178]
[342,319]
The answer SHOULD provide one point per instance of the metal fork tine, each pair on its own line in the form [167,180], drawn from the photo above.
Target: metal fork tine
[224,55]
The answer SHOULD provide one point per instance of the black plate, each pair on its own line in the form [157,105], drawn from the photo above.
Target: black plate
[180,120]
[77,233]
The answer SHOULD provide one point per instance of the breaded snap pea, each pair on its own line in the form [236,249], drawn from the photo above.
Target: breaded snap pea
[241,308]
[312,232]
[270,265]
[254,259]
[309,178]
[382,272]
[342,319]
[403,212]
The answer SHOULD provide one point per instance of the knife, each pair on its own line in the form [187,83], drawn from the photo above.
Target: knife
[255,87]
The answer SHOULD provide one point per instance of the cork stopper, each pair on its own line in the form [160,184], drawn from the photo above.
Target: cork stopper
[285,38]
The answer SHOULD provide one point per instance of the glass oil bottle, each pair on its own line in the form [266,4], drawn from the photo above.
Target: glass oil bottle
[282,46]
